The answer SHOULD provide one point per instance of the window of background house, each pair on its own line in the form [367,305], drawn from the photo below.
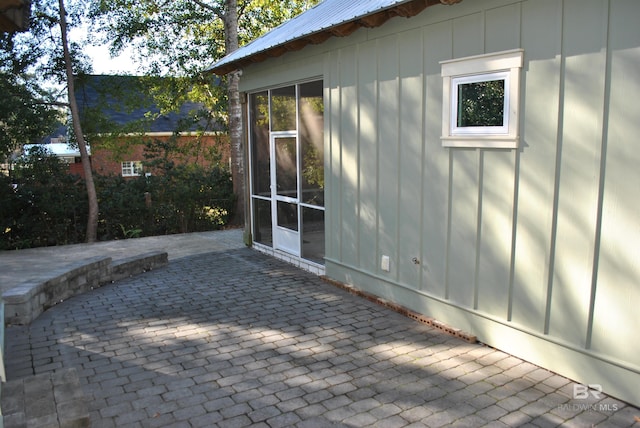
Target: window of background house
[481,100]
[131,168]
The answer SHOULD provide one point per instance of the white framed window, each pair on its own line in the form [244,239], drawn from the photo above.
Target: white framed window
[131,168]
[481,98]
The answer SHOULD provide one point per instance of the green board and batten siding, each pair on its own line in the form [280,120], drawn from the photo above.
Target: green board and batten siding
[535,250]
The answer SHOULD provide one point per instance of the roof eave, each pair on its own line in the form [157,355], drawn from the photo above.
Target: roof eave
[376,19]
[14,15]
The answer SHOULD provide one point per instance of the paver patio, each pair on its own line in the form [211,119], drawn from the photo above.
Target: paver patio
[235,338]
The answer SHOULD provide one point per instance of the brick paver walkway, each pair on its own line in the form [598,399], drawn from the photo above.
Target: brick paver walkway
[235,339]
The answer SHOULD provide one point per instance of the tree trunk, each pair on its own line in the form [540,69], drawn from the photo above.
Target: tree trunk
[235,113]
[92,222]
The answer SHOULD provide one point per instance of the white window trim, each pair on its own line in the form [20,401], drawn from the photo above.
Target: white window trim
[474,69]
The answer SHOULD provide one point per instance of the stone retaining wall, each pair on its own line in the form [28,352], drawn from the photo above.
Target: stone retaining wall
[26,301]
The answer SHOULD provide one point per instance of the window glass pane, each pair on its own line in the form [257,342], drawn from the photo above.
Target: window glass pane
[286,167]
[312,142]
[260,157]
[481,103]
[288,215]
[283,109]
[313,234]
[262,231]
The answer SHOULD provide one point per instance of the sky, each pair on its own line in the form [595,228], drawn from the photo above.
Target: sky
[104,64]
[100,56]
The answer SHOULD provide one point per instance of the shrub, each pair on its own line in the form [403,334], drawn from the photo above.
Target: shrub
[184,199]
[43,205]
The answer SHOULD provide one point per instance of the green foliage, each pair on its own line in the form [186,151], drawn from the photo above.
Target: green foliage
[171,34]
[122,206]
[481,103]
[188,198]
[182,38]
[43,205]
[121,95]
[23,118]
[113,107]
[259,16]
[177,38]
[38,51]
[162,155]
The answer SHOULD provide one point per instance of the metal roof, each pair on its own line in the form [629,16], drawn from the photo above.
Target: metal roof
[328,18]
[57,149]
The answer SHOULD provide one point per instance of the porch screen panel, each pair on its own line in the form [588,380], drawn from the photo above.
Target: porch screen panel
[283,109]
[286,129]
[262,228]
[260,157]
[287,215]
[311,119]
[286,167]
[313,234]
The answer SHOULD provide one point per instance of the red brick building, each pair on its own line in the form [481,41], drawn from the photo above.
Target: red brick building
[203,150]
[128,133]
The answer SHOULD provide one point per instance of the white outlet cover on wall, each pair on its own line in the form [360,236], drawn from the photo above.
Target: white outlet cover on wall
[385,264]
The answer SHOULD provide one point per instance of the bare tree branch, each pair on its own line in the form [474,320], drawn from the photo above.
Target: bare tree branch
[242,6]
[51,103]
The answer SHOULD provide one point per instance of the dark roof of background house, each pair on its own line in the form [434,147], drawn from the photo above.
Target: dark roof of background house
[59,135]
[122,100]
[328,18]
